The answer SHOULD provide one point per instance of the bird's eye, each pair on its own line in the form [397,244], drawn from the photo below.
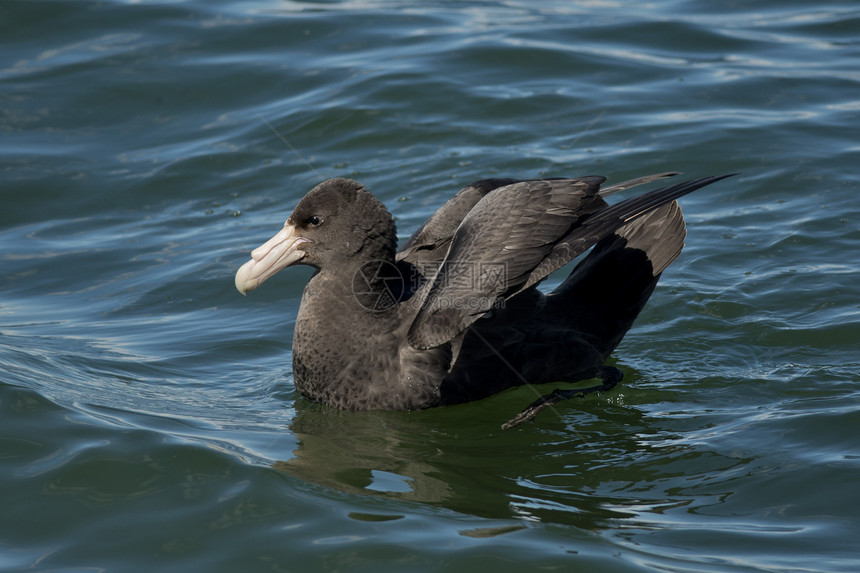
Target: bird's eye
[315,221]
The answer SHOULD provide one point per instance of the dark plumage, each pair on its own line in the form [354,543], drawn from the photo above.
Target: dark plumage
[455,314]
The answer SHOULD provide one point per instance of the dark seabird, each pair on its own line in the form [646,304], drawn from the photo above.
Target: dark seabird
[455,315]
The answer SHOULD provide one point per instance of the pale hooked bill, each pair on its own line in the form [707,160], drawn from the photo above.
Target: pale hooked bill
[278,252]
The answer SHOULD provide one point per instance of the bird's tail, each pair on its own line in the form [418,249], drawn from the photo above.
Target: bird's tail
[606,291]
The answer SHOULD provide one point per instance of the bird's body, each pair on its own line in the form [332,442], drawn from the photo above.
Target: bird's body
[455,314]
[372,367]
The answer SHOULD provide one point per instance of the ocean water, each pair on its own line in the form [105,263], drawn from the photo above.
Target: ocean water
[148,419]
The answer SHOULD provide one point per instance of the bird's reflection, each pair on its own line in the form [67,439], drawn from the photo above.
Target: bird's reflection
[459,458]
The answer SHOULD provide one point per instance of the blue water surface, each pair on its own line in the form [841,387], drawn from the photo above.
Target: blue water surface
[148,418]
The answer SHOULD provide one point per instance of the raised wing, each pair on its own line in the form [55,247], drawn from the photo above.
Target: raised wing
[516,236]
[495,249]
[431,240]
[605,222]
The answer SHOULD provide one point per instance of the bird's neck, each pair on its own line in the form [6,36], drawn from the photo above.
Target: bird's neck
[368,286]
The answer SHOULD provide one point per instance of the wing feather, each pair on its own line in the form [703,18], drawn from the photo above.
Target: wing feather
[494,251]
[515,237]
